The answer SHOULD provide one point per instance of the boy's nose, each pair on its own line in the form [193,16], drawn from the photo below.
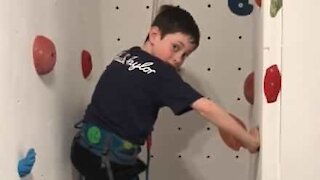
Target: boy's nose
[178,59]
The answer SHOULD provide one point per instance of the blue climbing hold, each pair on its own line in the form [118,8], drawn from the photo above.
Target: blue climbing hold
[25,165]
[240,7]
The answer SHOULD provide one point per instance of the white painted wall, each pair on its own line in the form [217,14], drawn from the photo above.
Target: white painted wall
[269,113]
[38,111]
[300,114]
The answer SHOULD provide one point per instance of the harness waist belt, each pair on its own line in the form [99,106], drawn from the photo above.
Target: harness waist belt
[100,141]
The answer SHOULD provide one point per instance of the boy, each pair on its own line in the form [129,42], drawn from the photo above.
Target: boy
[129,94]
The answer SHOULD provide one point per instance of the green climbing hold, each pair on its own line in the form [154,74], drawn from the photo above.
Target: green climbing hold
[275,7]
[127,145]
[94,135]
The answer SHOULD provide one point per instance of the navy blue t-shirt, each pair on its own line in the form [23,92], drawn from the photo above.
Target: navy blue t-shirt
[132,89]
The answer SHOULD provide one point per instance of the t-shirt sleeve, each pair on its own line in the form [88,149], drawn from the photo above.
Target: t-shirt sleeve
[176,94]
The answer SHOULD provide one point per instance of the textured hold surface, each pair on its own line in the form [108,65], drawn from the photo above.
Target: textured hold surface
[86,63]
[44,55]
[272,83]
[248,88]
[240,7]
[258,2]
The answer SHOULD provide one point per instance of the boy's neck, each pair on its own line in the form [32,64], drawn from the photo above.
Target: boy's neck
[147,47]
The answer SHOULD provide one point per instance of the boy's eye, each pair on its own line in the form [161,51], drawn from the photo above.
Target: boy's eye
[175,47]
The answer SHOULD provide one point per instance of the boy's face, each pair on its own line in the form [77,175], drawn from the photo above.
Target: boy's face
[173,48]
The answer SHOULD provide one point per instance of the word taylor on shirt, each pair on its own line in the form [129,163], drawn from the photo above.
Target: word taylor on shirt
[129,60]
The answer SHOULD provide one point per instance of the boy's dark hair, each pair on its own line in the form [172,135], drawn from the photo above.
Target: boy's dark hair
[173,19]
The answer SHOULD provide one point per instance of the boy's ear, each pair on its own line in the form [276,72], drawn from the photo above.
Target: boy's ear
[154,34]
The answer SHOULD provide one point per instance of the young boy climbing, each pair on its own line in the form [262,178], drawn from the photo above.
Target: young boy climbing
[134,86]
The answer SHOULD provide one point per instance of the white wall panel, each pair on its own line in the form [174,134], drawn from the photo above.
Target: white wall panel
[300,135]
[39,111]
[269,113]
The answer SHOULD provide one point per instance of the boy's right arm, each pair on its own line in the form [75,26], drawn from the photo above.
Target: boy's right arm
[219,117]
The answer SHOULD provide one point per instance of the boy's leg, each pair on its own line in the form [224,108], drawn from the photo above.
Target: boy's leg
[135,178]
[89,165]
[93,178]
[86,163]
[89,178]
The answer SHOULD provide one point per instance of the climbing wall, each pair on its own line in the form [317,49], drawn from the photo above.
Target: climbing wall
[269,84]
[44,90]
[52,54]
[188,147]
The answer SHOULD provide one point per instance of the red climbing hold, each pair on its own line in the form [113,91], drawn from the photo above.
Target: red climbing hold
[230,140]
[44,55]
[249,88]
[272,83]
[258,2]
[86,63]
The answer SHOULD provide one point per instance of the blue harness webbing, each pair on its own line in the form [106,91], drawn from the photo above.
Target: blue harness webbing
[110,147]
[99,141]
[107,145]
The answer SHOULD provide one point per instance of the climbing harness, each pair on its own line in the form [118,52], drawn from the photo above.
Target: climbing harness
[110,147]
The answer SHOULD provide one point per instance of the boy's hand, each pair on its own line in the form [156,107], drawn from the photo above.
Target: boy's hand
[229,139]
[255,146]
